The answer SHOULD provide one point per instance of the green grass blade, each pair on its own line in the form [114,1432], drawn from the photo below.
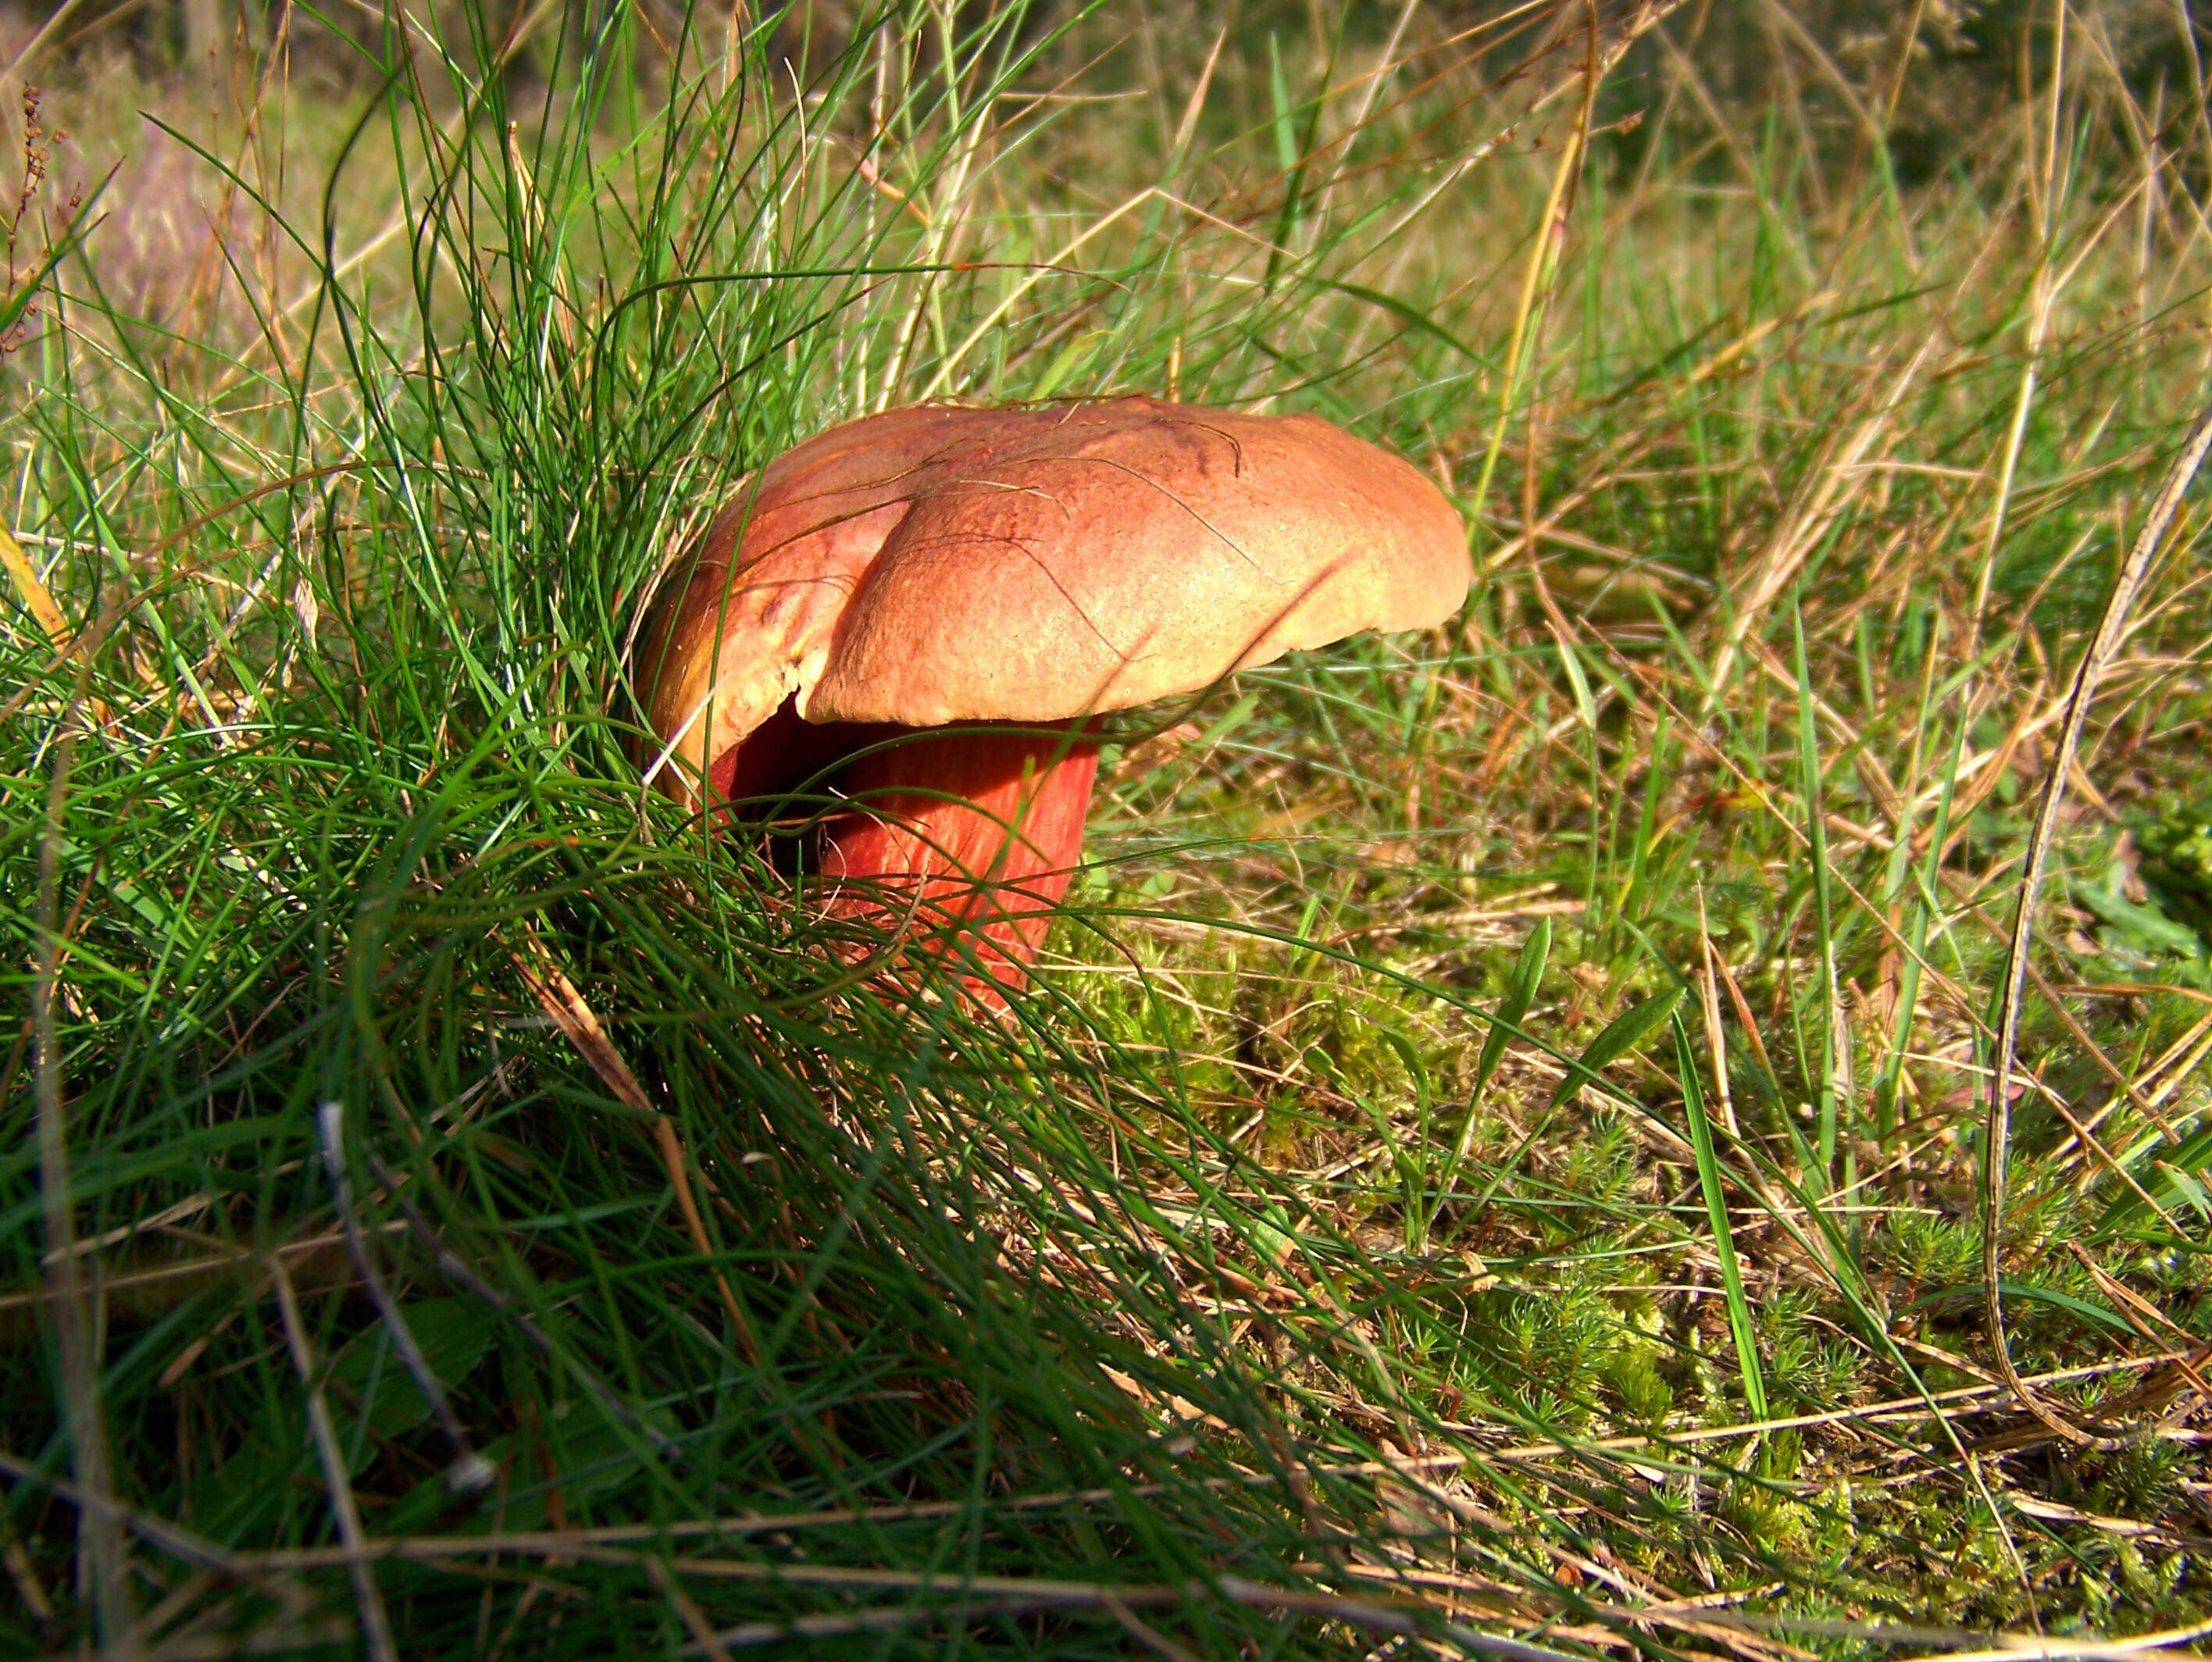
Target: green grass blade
[1625,1033]
[1712,1184]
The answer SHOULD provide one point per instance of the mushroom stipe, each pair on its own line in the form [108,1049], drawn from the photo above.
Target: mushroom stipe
[1004,576]
[976,829]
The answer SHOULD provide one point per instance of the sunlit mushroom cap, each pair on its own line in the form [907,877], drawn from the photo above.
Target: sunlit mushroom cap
[938,565]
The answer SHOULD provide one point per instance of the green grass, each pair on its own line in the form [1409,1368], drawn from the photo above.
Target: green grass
[1491,1149]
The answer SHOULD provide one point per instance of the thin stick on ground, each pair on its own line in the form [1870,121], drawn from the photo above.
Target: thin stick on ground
[470,1473]
[2111,630]
[102,1572]
[345,1511]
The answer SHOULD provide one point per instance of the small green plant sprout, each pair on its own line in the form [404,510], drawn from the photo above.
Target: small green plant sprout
[1512,1011]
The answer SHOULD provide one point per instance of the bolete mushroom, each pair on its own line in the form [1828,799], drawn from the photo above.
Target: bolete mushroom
[1004,576]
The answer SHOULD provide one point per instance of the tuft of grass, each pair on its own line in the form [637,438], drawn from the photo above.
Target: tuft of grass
[1489,1161]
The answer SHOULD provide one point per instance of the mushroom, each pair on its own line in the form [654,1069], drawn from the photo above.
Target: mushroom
[925,609]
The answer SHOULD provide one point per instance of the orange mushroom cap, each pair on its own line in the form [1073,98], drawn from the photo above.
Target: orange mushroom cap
[936,565]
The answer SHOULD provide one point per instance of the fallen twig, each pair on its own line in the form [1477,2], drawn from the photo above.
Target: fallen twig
[369,1599]
[2111,630]
[470,1473]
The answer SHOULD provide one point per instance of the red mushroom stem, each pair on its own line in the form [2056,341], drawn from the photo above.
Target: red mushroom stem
[979,833]
[973,832]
